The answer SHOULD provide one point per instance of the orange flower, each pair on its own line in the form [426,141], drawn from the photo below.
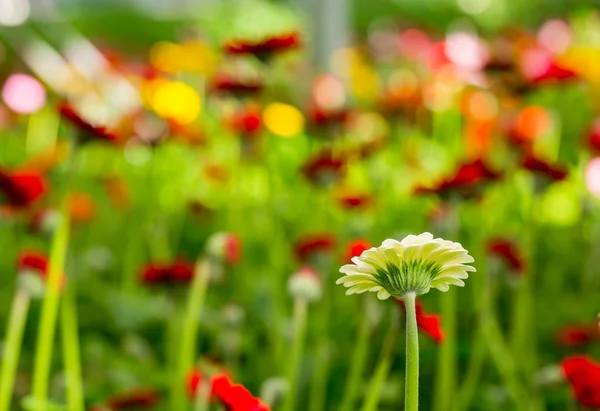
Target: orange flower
[81,207]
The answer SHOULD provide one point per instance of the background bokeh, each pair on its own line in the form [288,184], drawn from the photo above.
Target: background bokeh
[180,182]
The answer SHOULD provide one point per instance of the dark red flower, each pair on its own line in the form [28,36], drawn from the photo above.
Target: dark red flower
[308,245]
[518,139]
[265,48]
[593,139]
[350,200]
[430,324]
[324,168]
[31,260]
[226,83]
[178,272]
[467,181]
[322,116]
[540,167]
[136,399]
[576,335]
[22,188]
[355,248]
[90,131]
[584,376]
[507,251]
[235,397]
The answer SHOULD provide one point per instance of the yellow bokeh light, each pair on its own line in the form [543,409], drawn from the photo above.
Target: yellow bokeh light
[365,83]
[176,101]
[283,120]
[199,58]
[167,56]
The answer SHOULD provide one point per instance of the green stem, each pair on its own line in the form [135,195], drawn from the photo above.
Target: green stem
[383,367]
[71,351]
[357,366]
[318,389]
[300,312]
[473,374]
[187,353]
[411,387]
[12,346]
[502,358]
[45,340]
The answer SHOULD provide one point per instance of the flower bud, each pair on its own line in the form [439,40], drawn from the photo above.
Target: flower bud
[224,247]
[32,268]
[305,283]
[273,390]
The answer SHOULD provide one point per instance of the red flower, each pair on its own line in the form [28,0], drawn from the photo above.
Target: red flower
[308,245]
[235,397]
[467,181]
[576,335]
[554,72]
[140,398]
[248,122]
[355,248]
[542,168]
[227,83]
[22,188]
[232,249]
[180,271]
[430,324]
[30,260]
[584,376]
[324,168]
[90,131]
[508,252]
[265,48]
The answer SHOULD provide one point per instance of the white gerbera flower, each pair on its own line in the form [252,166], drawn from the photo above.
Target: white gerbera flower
[412,265]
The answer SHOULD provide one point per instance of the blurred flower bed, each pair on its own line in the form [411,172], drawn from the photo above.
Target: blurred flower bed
[173,220]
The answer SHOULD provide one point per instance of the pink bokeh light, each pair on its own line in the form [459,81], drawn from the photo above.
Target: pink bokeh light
[23,94]
[592,177]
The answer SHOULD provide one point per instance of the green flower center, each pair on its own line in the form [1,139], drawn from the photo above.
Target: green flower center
[410,276]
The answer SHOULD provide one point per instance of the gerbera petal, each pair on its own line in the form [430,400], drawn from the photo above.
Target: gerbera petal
[414,264]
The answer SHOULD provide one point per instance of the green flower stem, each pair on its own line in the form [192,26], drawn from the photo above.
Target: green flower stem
[411,387]
[473,373]
[45,340]
[445,384]
[484,296]
[503,359]
[187,352]
[322,320]
[357,365]
[523,335]
[12,346]
[383,367]
[300,314]
[172,349]
[71,351]
[318,389]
